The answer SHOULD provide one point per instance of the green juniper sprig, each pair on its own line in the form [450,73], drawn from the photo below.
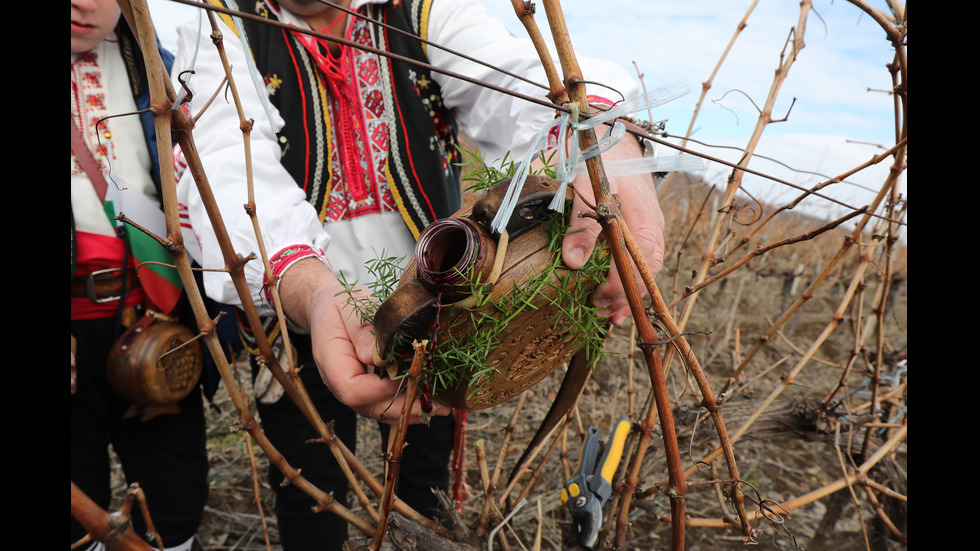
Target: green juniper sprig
[483,176]
[385,272]
[461,357]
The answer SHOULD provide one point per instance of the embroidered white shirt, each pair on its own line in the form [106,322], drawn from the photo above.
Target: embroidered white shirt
[496,121]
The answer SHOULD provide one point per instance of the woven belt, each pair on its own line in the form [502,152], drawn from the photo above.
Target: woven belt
[104,285]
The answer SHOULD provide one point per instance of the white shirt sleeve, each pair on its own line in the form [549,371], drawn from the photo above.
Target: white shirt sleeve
[287,221]
[497,121]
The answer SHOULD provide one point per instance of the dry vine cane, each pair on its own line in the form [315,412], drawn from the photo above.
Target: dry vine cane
[735,179]
[164,116]
[394,455]
[290,381]
[162,95]
[607,212]
[889,185]
[706,85]
[114,529]
[901,55]
[888,189]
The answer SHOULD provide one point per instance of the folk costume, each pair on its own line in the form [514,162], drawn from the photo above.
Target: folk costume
[352,156]
[166,455]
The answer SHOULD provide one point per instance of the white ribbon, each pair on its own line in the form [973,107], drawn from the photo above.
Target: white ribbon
[257,81]
[568,165]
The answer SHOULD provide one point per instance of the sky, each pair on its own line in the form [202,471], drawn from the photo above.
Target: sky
[835,124]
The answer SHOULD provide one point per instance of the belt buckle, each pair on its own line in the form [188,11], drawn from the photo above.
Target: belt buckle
[90,285]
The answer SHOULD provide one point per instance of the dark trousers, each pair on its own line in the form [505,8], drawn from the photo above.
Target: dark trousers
[165,455]
[425,464]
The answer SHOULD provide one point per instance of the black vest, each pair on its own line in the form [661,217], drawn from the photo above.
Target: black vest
[423,171]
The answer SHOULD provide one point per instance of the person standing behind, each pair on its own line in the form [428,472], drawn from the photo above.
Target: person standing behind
[115,159]
[354,154]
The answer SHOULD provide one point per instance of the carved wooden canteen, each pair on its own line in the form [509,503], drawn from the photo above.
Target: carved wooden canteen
[465,283]
[154,365]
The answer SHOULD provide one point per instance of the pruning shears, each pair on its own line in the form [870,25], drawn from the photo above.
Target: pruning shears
[591,485]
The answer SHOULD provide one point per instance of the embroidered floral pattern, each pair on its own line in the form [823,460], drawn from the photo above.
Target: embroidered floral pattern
[445,139]
[285,258]
[88,96]
[272,83]
[367,137]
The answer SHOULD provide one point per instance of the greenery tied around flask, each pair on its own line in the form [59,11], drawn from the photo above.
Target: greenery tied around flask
[460,358]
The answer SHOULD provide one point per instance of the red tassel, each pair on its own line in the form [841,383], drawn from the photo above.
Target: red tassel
[461,491]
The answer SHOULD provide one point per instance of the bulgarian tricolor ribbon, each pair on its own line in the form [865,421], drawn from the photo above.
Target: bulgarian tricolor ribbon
[158,277]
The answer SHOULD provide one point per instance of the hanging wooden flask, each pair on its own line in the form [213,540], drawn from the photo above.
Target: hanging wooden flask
[153,366]
[465,281]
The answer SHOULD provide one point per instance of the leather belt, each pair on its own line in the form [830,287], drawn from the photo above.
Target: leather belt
[104,285]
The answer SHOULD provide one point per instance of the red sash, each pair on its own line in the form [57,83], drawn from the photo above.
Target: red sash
[100,252]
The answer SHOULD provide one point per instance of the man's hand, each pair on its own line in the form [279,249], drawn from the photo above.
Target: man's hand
[342,344]
[641,213]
